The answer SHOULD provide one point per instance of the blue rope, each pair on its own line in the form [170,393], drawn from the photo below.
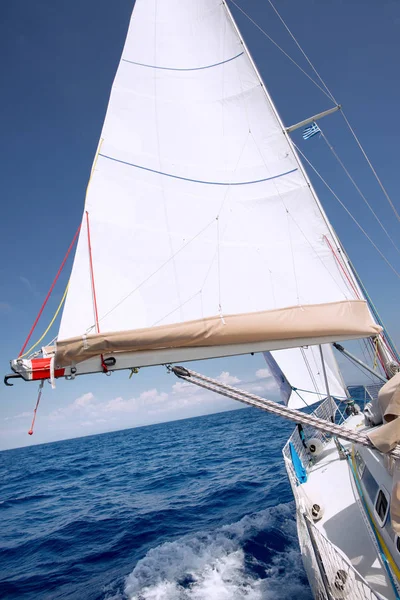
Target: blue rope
[132,62]
[196,180]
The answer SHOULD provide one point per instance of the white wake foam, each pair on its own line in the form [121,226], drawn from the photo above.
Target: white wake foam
[212,566]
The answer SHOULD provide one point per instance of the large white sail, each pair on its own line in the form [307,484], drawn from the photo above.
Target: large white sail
[200,229]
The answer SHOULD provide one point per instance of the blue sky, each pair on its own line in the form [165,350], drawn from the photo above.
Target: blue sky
[59,60]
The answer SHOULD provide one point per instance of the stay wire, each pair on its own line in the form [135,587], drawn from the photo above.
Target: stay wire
[328,95]
[349,213]
[327,92]
[331,148]
[324,89]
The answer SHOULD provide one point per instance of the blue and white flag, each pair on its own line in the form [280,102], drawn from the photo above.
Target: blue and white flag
[311,130]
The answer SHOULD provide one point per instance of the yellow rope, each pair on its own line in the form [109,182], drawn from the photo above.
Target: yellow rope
[51,323]
[94,166]
[66,289]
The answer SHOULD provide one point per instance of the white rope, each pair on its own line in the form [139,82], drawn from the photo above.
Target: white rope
[348,212]
[278,409]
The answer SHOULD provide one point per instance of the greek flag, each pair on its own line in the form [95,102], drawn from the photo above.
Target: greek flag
[311,130]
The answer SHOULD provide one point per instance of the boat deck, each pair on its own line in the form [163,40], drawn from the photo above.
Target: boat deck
[330,484]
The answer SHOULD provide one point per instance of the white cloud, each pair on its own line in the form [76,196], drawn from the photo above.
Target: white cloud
[22,415]
[89,413]
[261,373]
[227,379]
[180,399]
[84,400]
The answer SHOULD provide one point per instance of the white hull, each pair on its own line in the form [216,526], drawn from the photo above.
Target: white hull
[339,550]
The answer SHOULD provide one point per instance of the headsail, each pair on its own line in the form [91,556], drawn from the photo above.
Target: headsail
[200,229]
[302,370]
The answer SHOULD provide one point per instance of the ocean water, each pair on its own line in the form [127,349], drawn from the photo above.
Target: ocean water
[198,509]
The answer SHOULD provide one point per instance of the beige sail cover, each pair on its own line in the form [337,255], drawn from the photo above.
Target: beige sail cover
[387,436]
[291,324]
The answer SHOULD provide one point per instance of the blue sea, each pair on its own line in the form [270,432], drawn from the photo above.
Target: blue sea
[198,509]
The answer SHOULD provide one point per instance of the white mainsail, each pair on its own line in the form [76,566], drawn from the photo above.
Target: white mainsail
[200,228]
[302,368]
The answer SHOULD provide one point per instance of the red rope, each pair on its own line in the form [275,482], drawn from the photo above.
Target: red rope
[96,314]
[50,291]
[357,294]
[36,407]
[342,267]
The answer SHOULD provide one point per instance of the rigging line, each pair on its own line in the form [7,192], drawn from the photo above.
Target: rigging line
[301,398]
[37,406]
[175,309]
[349,213]
[50,325]
[335,396]
[50,291]
[366,373]
[96,314]
[374,310]
[371,166]
[316,254]
[342,265]
[157,270]
[328,92]
[364,347]
[309,369]
[331,148]
[282,50]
